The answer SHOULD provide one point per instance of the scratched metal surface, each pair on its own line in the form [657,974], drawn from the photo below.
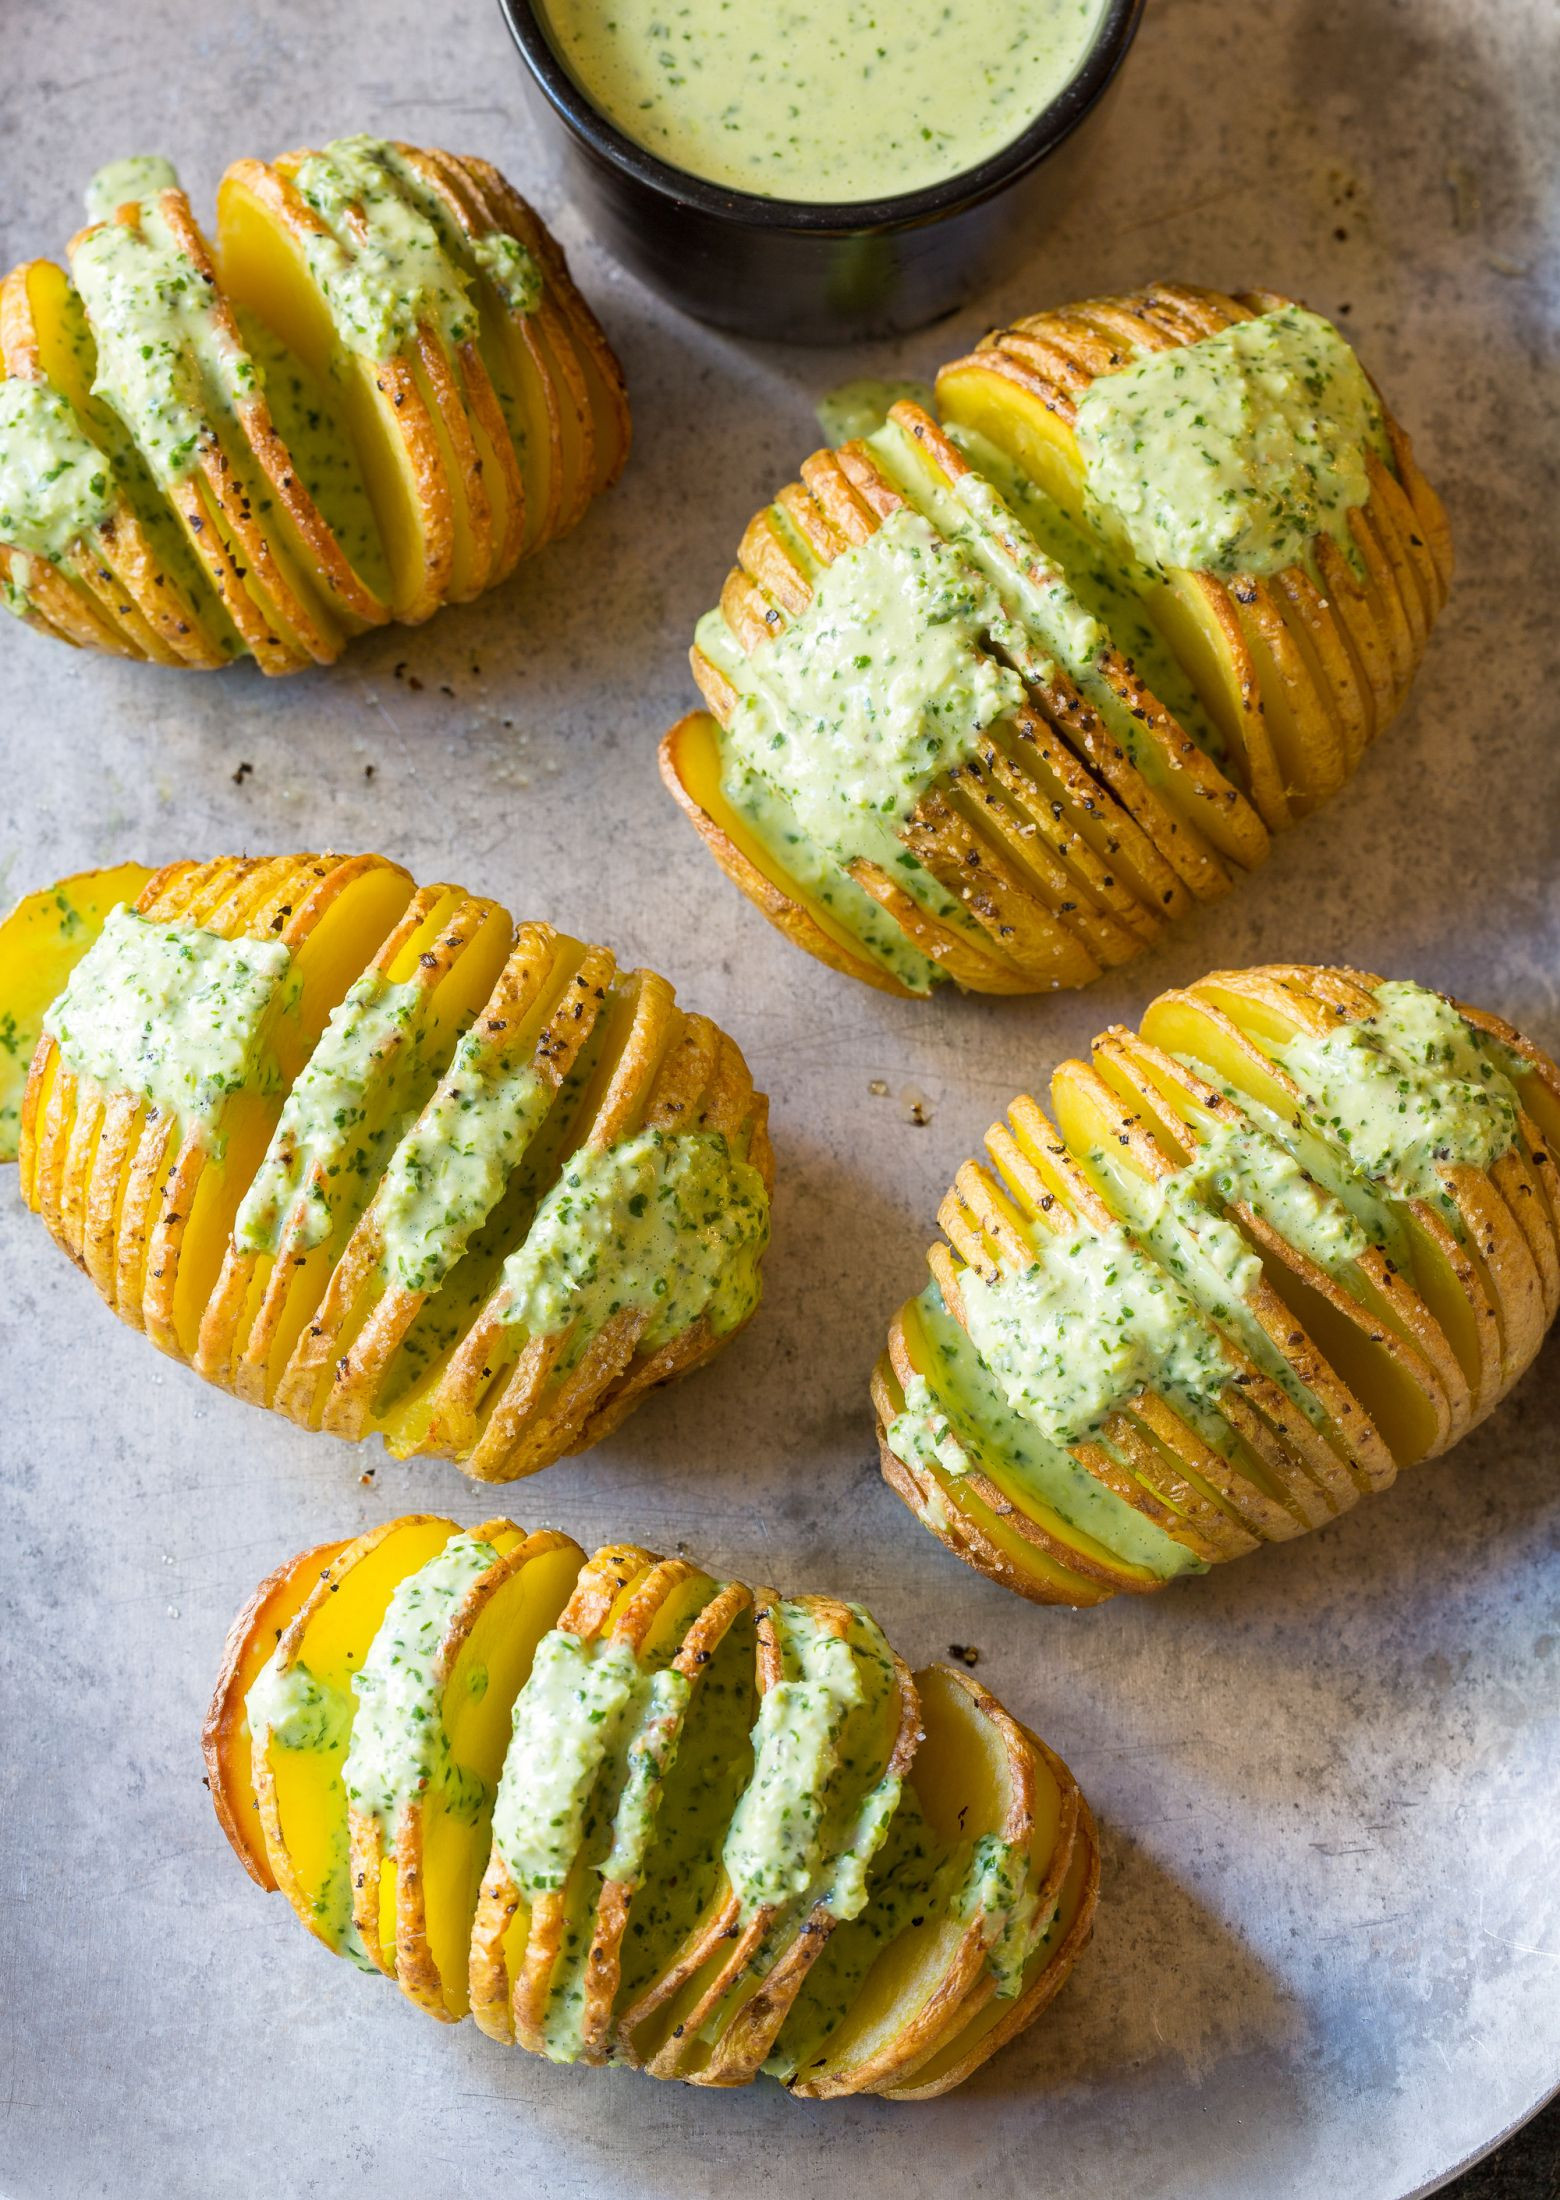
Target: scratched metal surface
[1329,1943]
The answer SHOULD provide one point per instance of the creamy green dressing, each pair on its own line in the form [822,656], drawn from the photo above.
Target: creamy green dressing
[651,1755]
[879,687]
[1091,1322]
[668,1224]
[1000,1896]
[1233,453]
[821,101]
[957,1418]
[173,1013]
[1407,1092]
[122,182]
[163,362]
[289,1708]
[775,1845]
[344,1112]
[400,1751]
[450,1170]
[1243,1162]
[512,269]
[578,1707]
[55,484]
[859,408]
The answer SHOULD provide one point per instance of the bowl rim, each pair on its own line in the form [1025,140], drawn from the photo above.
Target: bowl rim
[1114,34]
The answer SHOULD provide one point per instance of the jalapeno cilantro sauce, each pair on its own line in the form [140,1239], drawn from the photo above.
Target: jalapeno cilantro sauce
[1094,1320]
[1232,454]
[1000,1896]
[576,1711]
[667,1224]
[805,1826]
[399,1751]
[1406,1092]
[389,259]
[342,1115]
[172,1013]
[957,1418]
[450,1170]
[287,1708]
[879,687]
[121,182]
[54,481]
[823,102]
[163,362]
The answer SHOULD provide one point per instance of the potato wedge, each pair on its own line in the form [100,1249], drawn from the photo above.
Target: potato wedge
[1299,1234]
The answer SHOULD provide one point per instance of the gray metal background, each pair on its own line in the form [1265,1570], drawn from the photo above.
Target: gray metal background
[1329,1946]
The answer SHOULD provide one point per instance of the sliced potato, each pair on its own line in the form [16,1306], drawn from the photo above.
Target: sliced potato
[1274,1312]
[730,1832]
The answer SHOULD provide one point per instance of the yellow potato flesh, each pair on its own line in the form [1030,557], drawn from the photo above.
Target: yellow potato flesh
[263,269]
[335,952]
[41,942]
[309,1801]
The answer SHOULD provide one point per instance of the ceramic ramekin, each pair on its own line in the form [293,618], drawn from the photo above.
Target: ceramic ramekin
[818,274]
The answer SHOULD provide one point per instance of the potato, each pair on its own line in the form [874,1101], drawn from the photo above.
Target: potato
[1299,1234]
[868,1887]
[1155,727]
[428,1099]
[329,475]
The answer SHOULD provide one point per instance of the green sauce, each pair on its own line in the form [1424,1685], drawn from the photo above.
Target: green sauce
[822,102]
[54,482]
[973,1424]
[514,272]
[171,1012]
[666,1223]
[1407,1091]
[879,687]
[1246,1163]
[1232,454]
[381,265]
[365,1077]
[651,1754]
[122,182]
[575,1712]
[999,1892]
[399,1749]
[1092,1322]
[450,1170]
[163,363]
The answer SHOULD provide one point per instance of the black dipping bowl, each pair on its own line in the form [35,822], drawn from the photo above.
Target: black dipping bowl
[818,274]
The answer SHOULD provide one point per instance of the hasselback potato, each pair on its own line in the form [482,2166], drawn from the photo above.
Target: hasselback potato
[371,394]
[622,1811]
[994,700]
[377,1156]
[1300,1231]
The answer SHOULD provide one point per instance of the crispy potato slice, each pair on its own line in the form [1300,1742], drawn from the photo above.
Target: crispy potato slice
[511,1951]
[263,234]
[226,1742]
[977,1883]
[1050,1967]
[300,1711]
[415,1882]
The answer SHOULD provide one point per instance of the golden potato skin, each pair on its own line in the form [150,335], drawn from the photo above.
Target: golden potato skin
[927,2004]
[1399,1355]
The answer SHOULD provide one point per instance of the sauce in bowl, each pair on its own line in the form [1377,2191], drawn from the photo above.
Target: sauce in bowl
[818,101]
